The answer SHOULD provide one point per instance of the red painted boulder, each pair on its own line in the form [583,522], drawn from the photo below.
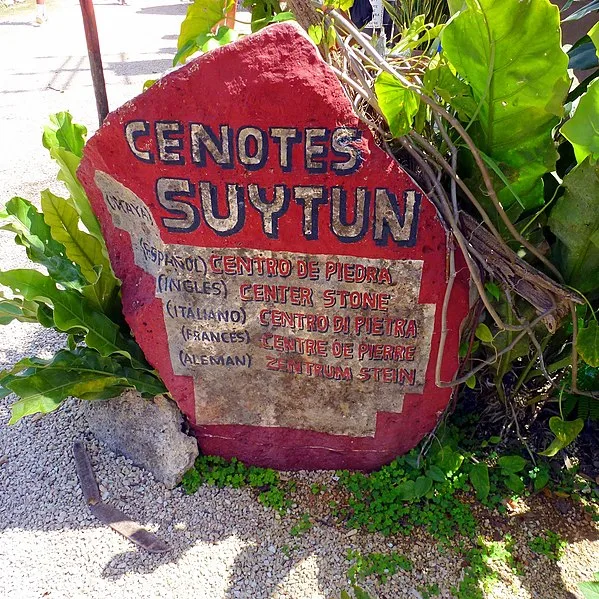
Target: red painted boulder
[279,270]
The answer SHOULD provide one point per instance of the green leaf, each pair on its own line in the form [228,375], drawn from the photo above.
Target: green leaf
[514,483]
[582,55]
[360,593]
[496,169]
[442,80]
[209,41]
[510,53]
[484,333]
[399,105]
[541,480]
[565,432]
[316,32]
[65,140]
[471,381]
[456,6]
[72,313]
[587,343]
[594,35]
[262,12]
[582,130]
[331,35]
[83,249]
[17,309]
[201,17]
[512,463]
[35,235]
[63,133]
[463,351]
[479,477]
[590,590]
[82,373]
[449,460]
[406,491]
[185,51]
[283,16]
[493,290]
[45,315]
[148,84]
[68,163]
[418,33]
[422,486]
[436,474]
[45,390]
[575,222]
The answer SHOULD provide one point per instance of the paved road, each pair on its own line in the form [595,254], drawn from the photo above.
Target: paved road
[45,69]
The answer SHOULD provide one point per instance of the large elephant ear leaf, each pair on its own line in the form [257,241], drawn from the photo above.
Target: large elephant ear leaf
[63,133]
[83,249]
[575,222]
[68,164]
[44,384]
[35,235]
[72,314]
[399,104]
[201,17]
[582,130]
[510,54]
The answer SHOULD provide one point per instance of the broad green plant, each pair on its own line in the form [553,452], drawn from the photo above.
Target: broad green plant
[486,108]
[590,589]
[72,290]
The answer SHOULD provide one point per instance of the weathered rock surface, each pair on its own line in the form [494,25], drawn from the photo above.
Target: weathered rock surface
[250,155]
[148,432]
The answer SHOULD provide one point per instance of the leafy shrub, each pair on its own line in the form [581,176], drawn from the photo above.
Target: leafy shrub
[77,294]
[550,544]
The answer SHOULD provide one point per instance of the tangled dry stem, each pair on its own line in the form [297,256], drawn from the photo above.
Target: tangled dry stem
[357,64]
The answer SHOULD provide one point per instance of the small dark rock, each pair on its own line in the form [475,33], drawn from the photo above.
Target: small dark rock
[563,506]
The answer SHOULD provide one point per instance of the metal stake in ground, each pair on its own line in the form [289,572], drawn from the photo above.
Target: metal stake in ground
[107,514]
[95,58]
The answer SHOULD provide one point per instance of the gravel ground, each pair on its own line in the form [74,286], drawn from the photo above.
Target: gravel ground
[225,544]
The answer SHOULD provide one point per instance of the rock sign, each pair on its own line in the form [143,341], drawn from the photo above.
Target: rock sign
[281,272]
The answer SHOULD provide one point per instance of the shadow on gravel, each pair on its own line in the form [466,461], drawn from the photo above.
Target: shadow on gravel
[258,558]
[36,341]
[25,23]
[139,67]
[168,9]
[253,562]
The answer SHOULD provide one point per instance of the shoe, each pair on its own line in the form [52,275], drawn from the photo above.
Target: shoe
[40,20]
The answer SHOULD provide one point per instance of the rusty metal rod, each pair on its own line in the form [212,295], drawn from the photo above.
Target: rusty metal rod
[95,58]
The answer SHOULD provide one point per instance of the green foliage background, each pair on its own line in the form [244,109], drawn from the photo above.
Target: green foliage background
[79,295]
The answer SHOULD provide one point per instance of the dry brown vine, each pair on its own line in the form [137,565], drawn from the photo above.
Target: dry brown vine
[357,64]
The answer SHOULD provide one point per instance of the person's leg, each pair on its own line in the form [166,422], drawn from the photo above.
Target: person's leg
[40,16]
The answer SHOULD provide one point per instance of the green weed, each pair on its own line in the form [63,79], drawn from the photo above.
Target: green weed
[381,565]
[549,544]
[480,576]
[212,470]
[302,527]
[429,591]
